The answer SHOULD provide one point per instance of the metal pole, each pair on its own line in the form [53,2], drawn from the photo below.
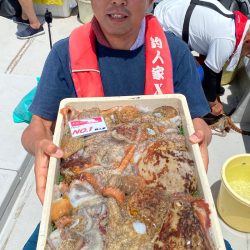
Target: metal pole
[48,19]
[50,40]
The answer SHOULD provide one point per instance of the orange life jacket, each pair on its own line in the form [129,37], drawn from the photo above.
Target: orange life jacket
[84,64]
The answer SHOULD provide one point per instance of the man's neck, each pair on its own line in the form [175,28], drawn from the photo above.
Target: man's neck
[121,43]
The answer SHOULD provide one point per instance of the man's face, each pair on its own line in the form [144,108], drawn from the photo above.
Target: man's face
[120,18]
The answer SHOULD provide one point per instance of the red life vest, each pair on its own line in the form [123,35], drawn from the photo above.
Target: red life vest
[84,64]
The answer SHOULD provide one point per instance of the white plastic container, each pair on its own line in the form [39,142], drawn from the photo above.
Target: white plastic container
[56,10]
[175,100]
[85,10]
[234,208]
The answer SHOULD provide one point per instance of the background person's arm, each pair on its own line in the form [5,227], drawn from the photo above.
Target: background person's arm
[211,85]
[37,140]
[218,54]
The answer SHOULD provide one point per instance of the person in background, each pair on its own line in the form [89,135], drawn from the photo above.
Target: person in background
[219,38]
[98,59]
[28,18]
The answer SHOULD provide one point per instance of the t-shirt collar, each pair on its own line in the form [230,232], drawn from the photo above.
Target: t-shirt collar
[141,36]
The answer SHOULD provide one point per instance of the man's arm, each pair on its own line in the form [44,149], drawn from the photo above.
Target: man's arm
[37,140]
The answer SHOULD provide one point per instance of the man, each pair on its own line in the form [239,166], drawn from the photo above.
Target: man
[216,36]
[28,18]
[120,31]
[115,50]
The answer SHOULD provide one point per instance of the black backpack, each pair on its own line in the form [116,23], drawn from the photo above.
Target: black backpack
[244,6]
[230,4]
[241,5]
[10,8]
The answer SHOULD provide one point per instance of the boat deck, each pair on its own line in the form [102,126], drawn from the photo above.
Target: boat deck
[21,62]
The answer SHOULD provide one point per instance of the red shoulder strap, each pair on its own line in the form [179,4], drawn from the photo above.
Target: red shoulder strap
[159,73]
[83,61]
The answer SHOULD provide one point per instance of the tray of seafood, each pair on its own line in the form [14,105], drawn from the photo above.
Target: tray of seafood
[129,178]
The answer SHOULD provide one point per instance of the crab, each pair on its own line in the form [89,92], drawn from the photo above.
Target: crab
[168,165]
[186,225]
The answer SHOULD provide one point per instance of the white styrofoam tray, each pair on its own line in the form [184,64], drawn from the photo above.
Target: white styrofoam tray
[176,100]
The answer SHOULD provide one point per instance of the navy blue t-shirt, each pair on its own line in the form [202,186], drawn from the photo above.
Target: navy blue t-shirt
[122,74]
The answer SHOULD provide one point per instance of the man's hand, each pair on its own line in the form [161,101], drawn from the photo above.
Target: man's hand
[37,140]
[202,136]
[45,150]
[199,137]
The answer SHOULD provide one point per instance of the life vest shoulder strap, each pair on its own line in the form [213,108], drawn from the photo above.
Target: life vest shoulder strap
[83,61]
[81,44]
